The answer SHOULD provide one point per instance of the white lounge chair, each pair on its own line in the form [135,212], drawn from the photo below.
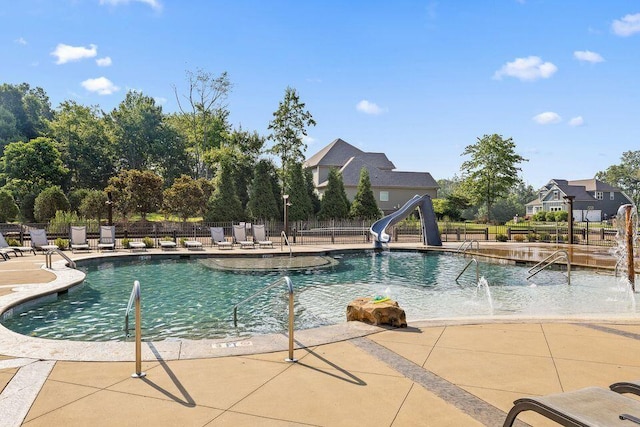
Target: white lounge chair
[260,236]
[166,245]
[107,239]
[78,239]
[137,246]
[240,237]
[193,245]
[218,239]
[6,248]
[39,240]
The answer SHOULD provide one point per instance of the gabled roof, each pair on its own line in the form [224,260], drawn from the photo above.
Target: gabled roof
[581,189]
[594,185]
[382,178]
[338,153]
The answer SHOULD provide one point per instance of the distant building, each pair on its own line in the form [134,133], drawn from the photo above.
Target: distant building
[391,188]
[593,200]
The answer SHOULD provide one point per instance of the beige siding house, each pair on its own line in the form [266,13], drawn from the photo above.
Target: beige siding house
[391,188]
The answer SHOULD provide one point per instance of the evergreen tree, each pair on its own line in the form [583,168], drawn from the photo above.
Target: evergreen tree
[301,208]
[49,201]
[335,204]
[224,203]
[364,205]
[8,207]
[262,203]
[311,190]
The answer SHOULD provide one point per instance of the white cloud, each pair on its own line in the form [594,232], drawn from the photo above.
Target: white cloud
[628,25]
[66,53]
[308,140]
[21,40]
[367,107]
[104,62]
[160,100]
[576,121]
[101,85]
[155,4]
[588,56]
[547,118]
[527,69]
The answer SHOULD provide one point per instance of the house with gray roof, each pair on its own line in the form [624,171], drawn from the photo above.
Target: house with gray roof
[391,188]
[593,200]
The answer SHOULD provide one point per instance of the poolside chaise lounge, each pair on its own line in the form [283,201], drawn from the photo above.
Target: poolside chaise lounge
[167,245]
[591,406]
[107,240]
[6,248]
[39,240]
[193,245]
[632,387]
[260,236]
[240,236]
[137,246]
[218,239]
[78,239]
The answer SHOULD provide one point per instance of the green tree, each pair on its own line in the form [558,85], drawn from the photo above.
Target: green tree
[311,191]
[364,205]
[262,203]
[224,204]
[136,191]
[29,167]
[184,198]
[48,202]
[75,198]
[204,114]
[492,170]
[29,110]
[8,207]
[300,208]
[335,204]
[84,145]
[94,205]
[288,127]
[625,176]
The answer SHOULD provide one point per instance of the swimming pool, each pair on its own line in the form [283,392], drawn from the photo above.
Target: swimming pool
[187,298]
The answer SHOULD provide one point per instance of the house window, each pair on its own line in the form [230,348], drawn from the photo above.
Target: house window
[599,195]
[612,195]
[384,196]
[555,195]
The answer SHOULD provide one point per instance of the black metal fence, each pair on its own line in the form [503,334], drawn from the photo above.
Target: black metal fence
[329,232]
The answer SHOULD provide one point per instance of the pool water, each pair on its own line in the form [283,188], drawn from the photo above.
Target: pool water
[185,298]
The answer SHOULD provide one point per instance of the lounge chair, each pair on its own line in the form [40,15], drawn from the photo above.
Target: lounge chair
[193,245]
[632,387]
[107,239]
[166,245]
[260,236]
[218,239]
[591,406]
[7,249]
[137,246]
[78,239]
[240,237]
[39,240]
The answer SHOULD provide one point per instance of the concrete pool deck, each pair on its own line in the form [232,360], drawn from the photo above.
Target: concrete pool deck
[438,373]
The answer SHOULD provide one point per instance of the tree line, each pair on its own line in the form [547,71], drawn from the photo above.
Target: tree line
[187,164]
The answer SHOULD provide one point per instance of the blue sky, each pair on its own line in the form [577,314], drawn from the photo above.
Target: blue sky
[417,80]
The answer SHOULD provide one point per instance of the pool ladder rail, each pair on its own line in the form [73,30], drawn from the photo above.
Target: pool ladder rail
[287,281]
[49,254]
[468,244]
[134,298]
[550,260]
[471,261]
[283,239]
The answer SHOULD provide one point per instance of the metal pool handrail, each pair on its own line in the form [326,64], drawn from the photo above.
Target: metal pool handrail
[474,261]
[552,259]
[283,237]
[468,244]
[135,297]
[49,254]
[287,281]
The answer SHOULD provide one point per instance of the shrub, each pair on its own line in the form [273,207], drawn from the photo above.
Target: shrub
[125,243]
[13,242]
[544,237]
[501,238]
[48,202]
[8,208]
[182,241]
[562,216]
[540,216]
[148,242]
[550,216]
[518,238]
[62,243]
[62,220]
[531,237]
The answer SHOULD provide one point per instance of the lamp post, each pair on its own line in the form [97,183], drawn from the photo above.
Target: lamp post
[109,208]
[569,199]
[285,197]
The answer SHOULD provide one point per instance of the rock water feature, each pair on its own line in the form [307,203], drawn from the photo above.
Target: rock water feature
[626,240]
[377,311]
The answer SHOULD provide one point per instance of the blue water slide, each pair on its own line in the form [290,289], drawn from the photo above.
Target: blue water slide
[430,233]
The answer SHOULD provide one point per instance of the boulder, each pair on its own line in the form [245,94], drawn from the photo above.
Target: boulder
[377,313]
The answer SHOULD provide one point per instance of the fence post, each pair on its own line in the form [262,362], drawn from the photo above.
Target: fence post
[486,234]
[509,233]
